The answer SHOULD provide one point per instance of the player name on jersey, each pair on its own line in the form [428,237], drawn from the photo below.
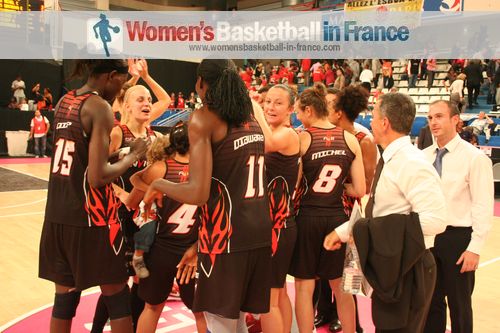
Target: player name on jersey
[245,140]
[325,153]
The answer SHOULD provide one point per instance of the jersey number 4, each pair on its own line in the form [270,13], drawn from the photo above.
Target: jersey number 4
[327,178]
[63,158]
[251,191]
[184,218]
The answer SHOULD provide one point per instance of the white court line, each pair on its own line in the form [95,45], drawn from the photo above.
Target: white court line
[24,204]
[24,173]
[491,261]
[24,214]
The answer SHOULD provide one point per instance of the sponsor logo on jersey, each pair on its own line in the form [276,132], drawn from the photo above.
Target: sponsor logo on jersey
[247,139]
[326,153]
[64,125]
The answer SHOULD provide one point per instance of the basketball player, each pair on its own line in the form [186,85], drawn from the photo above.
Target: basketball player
[329,155]
[282,167]
[227,179]
[177,229]
[137,109]
[81,242]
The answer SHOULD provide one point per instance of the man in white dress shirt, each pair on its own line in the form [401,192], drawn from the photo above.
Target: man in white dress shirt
[407,182]
[467,180]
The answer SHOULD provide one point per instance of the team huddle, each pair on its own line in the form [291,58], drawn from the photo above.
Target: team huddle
[236,196]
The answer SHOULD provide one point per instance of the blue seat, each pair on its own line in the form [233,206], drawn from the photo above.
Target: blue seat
[418,123]
[295,122]
[481,140]
[494,141]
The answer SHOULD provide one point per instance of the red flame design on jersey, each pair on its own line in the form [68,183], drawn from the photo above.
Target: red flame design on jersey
[298,193]
[215,229]
[279,199]
[102,207]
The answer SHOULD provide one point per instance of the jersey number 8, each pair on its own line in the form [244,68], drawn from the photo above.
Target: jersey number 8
[327,178]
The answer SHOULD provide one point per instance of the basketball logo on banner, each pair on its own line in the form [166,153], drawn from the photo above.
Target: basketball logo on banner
[104,36]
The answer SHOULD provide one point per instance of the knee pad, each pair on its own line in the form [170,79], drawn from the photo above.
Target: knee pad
[65,305]
[118,304]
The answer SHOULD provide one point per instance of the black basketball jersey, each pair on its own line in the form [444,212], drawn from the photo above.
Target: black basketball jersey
[326,165]
[282,172]
[71,200]
[236,216]
[127,138]
[179,225]
[349,201]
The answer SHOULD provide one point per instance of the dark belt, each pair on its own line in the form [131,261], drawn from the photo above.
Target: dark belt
[450,227]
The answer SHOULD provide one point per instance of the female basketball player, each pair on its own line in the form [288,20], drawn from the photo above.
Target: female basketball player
[227,179]
[177,229]
[282,166]
[81,245]
[329,155]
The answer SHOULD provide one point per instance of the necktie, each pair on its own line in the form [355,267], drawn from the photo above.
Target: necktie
[371,200]
[438,163]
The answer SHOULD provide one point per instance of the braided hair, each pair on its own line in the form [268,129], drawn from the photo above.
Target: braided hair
[226,95]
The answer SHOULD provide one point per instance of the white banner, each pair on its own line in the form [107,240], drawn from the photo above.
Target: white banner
[274,35]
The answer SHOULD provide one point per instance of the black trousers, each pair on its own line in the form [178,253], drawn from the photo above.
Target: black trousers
[417,317]
[451,285]
[473,92]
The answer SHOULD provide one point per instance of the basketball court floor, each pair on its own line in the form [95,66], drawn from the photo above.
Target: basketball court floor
[25,299]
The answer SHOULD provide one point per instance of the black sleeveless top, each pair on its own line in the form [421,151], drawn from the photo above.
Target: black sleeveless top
[236,216]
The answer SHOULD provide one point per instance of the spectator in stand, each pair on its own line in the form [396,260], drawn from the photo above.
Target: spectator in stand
[23,104]
[457,91]
[413,70]
[18,87]
[376,69]
[386,81]
[423,68]
[481,123]
[192,100]
[387,65]
[47,96]
[329,77]
[282,70]
[491,69]
[172,101]
[458,65]
[263,79]
[181,104]
[13,103]
[496,86]
[39,128]
[354,65]
[37,96]
[275,77]
[318,75]
[466,133]
[366,75]
[348,74]
[474,72]
[306,70]
[431,70]
[268,69]
[340,80]
[259,70]
[246,76]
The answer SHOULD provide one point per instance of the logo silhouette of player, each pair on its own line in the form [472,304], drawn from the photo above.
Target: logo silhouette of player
[104,32]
